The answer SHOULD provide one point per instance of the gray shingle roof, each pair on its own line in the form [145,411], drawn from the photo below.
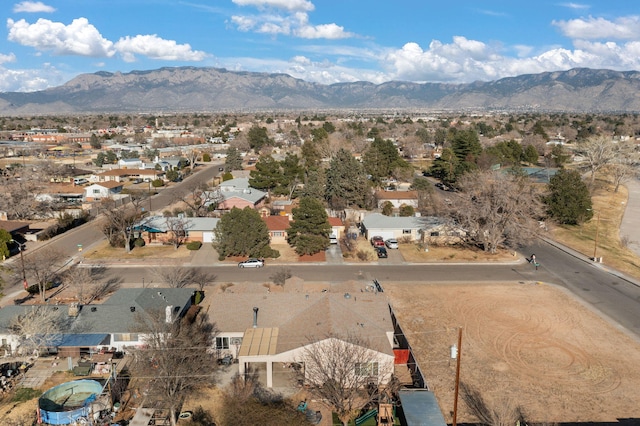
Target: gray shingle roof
[305,317]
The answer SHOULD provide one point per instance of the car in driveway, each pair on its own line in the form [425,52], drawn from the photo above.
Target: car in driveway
[377,241]
[251,263]
[382,252]
[391,243]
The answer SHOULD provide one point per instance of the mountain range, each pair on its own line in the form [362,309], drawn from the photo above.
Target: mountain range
[197,89]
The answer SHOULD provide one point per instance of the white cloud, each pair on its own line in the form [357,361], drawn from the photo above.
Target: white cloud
[33,7]
[7,58]
[577,6]
[290,5]
[624,28]
[155,47]
[327,31]
[78,38]
[295,22]
[29,80]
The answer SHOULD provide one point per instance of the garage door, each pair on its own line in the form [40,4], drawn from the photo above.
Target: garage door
[207,237]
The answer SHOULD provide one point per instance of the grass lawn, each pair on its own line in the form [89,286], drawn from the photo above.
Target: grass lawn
[105,251]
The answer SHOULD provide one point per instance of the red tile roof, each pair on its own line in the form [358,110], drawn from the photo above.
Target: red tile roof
[277,223]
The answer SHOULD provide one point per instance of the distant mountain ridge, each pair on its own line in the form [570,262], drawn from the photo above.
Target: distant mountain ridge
[196,89]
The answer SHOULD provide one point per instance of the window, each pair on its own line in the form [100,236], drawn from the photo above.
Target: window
[435,234]
[369,369]
[406,231]
[126,337]
[96,191]
[222,343]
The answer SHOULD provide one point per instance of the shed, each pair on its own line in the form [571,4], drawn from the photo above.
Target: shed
[420,408]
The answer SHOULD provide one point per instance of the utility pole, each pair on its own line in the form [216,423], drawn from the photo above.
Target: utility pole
[595,241]
[455,396]
[24,274]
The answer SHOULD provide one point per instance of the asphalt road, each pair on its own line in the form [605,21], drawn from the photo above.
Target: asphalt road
[617,297]
[88,235]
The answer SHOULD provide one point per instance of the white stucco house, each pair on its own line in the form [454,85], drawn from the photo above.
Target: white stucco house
[98,191]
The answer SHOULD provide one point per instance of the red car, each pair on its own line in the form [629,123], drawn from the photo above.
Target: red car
[377,241]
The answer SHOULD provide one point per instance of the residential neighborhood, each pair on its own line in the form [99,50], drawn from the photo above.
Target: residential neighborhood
[125,244]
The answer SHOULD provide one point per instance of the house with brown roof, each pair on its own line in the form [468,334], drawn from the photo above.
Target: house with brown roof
[397,198]
[14,227]
[124,175]
[337,227]
[277,226]
[270,332]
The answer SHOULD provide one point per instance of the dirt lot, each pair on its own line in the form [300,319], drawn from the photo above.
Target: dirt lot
[530,345]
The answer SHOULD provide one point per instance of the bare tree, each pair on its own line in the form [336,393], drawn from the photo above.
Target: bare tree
[496,209]
[38,327]
[119,224]
[177,227]
[598,151]
[86,284]
[624,165]
[176,360]
[42,266]
[198,197]
[281,276]
[176,276]
[343,372]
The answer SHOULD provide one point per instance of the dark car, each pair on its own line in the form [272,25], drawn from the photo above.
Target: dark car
[381,252]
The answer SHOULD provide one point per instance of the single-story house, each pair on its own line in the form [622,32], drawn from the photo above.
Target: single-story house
[337,227]
[110,325]
[397,198]
[130,163]
[271,333]
[277,226]
[98,191]
[157,229]
[123,175]
[237,193]
[59,192]
[429,229]
[15,228]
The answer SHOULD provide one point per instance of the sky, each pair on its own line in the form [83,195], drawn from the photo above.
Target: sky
[47,43]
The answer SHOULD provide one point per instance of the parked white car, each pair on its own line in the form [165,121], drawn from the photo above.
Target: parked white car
[391,243]
[251,263]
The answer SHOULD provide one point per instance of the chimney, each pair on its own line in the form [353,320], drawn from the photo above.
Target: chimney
[73,309]
[255,317]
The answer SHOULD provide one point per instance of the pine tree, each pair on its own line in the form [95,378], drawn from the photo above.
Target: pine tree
[309,232]
[568,201]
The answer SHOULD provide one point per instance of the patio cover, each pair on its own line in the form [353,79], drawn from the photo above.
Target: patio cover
[420,408]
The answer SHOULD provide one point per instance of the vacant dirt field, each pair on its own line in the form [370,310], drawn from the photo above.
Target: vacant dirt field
[530,345]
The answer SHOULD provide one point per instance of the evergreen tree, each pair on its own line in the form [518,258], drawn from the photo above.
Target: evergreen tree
[314,184]
[346,181]
[445,167]
[258,137]
[243,233]
[267,175]
[568,201]
[309,232]
[233,160]
[466,145]
[94,142]
[531,155]
[381,159]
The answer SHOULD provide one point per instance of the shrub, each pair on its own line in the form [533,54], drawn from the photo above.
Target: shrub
[139,242]
[362,254]
[34,289]
[157,183]
[194,245]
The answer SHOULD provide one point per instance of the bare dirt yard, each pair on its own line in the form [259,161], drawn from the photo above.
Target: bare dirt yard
[528,345]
